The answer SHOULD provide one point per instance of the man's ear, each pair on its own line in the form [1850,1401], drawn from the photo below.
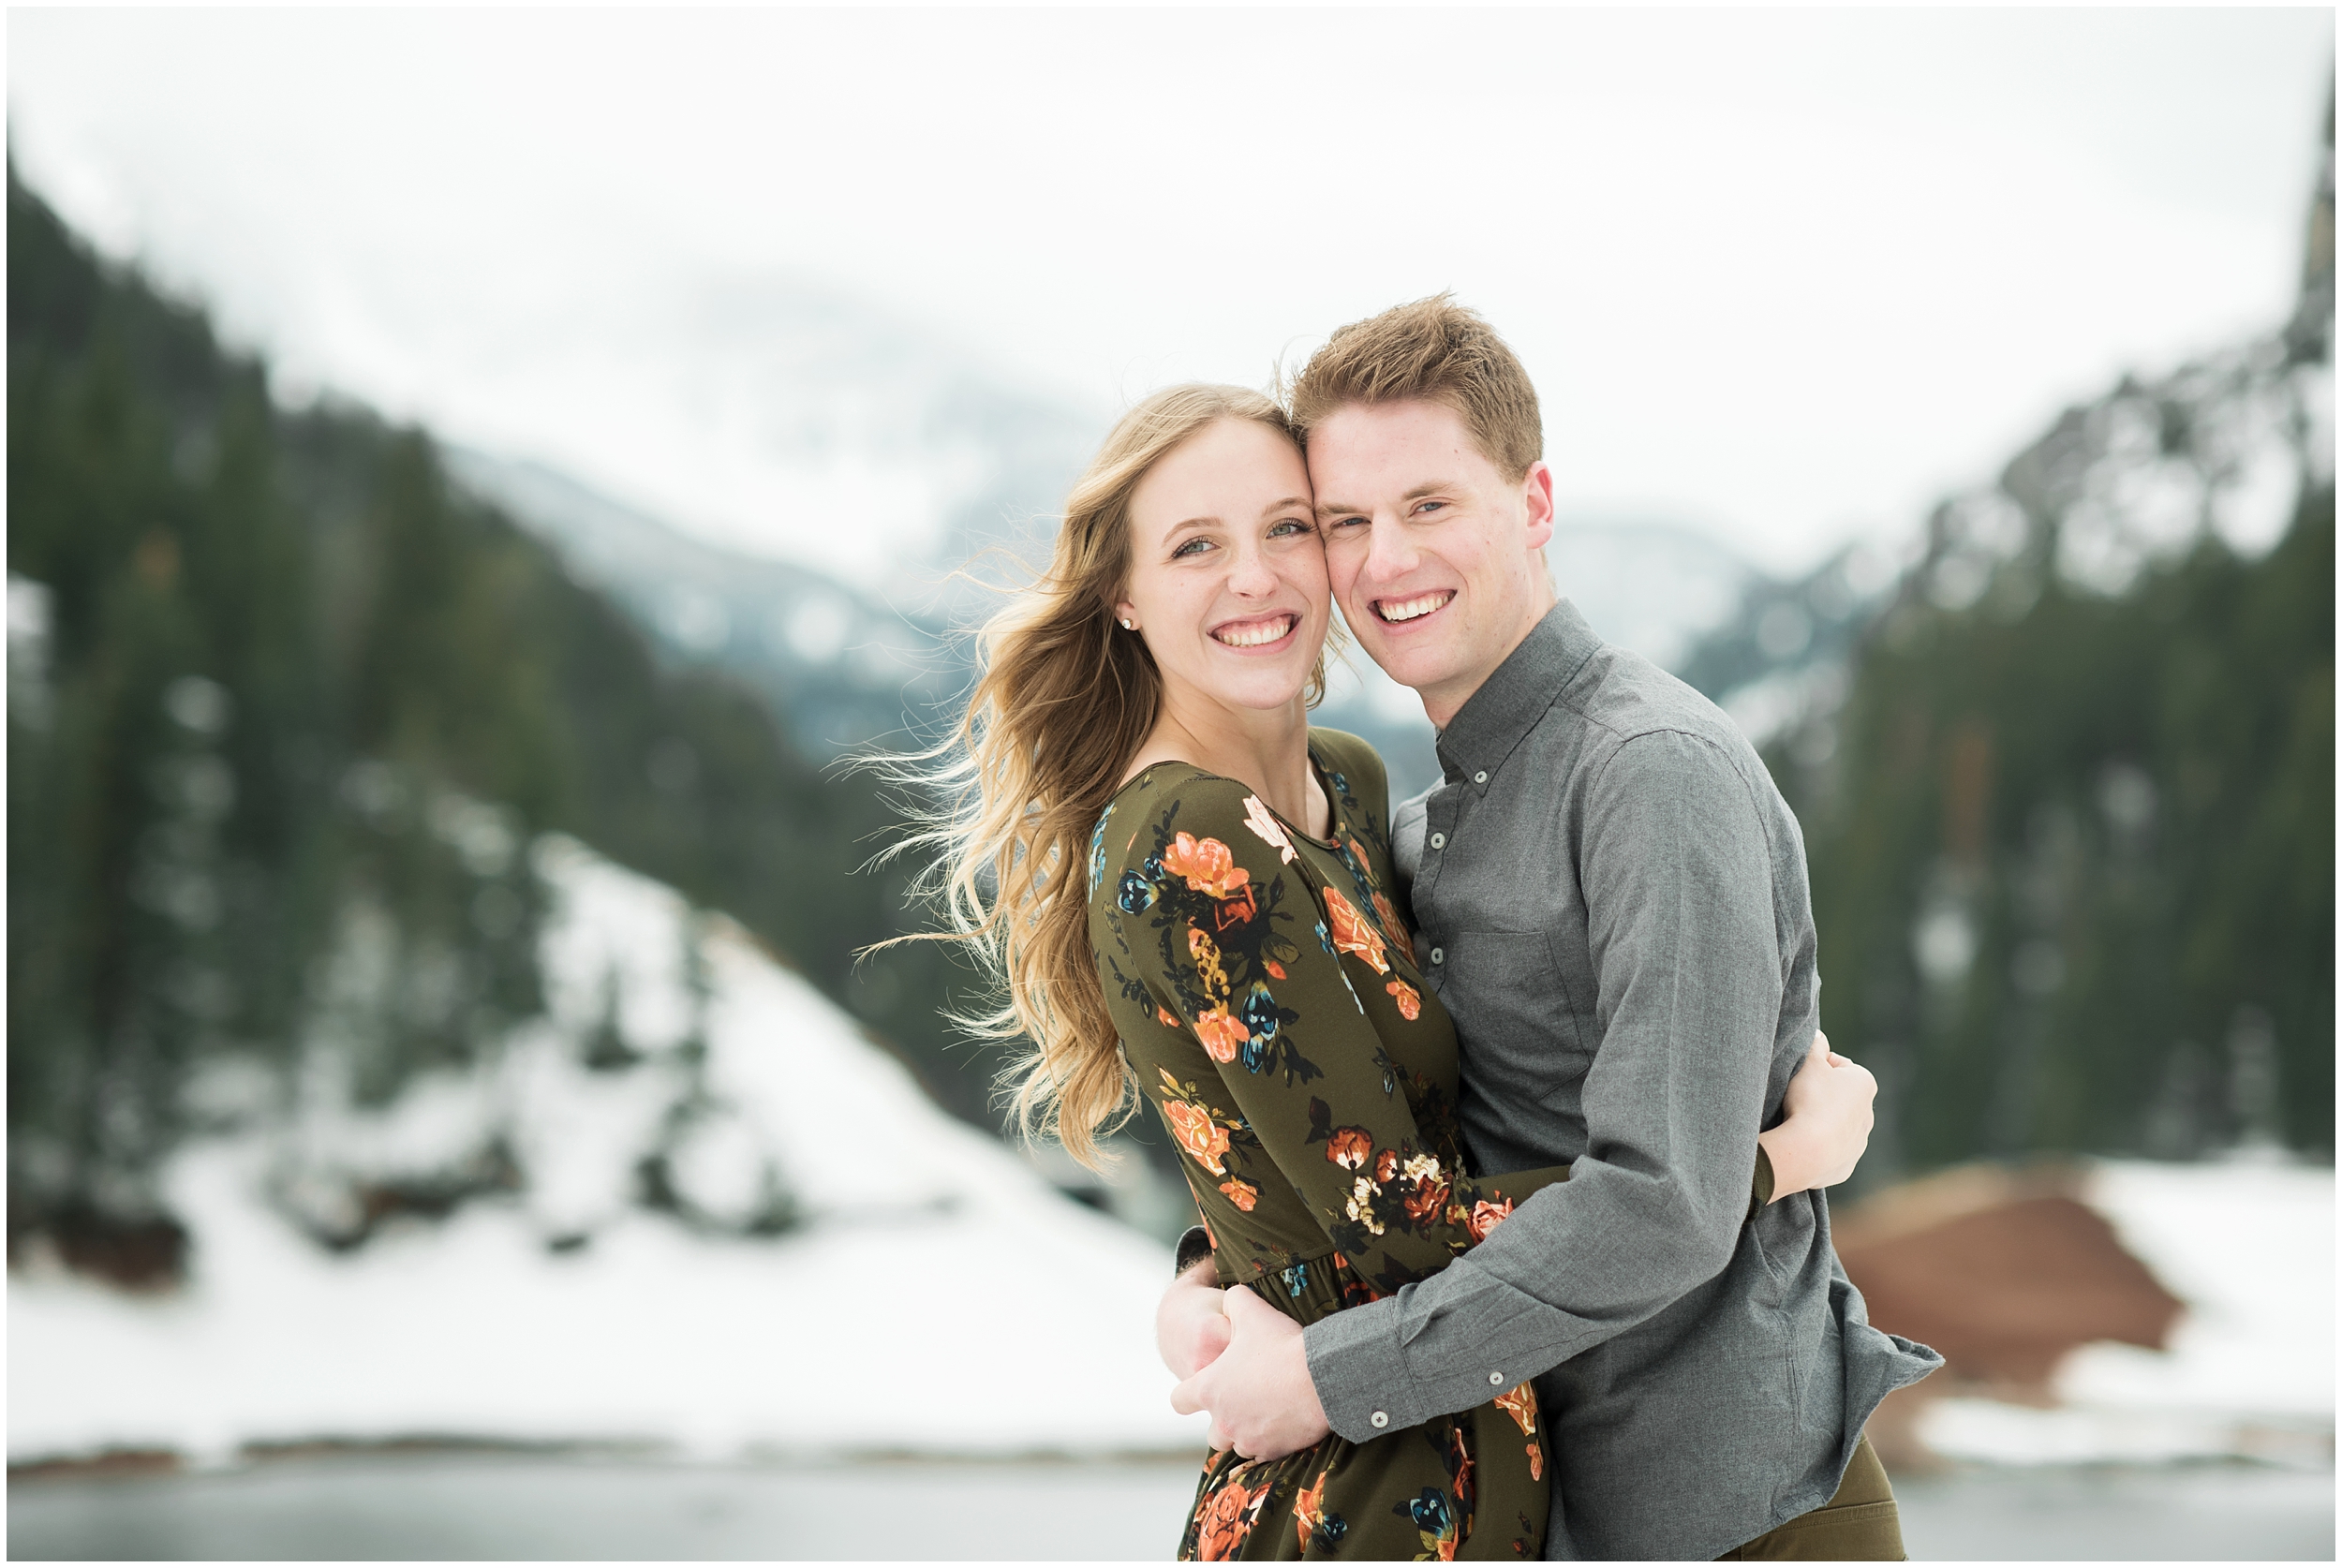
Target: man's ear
[1536,488]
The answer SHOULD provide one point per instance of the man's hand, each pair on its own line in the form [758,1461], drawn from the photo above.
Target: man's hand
[1258,1390]
[1191,1329]
[1826,1124]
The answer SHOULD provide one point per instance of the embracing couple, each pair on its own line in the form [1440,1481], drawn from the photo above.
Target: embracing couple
[1504,1109]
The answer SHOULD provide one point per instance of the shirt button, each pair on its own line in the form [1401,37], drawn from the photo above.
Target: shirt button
[1496,1380]
[1380,1418]
[1439,955]
[1438,841]
[1479,778]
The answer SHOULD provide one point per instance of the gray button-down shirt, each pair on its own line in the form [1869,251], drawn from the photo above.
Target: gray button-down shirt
[1612,896]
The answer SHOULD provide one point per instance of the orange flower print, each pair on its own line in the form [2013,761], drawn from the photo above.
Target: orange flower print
[1310,1519]
[1352,934]
[1276,970]
[1166,1018]
[1349,1146]
[1267,829]
[1236,909]
[1486,1217]
[1520,1402]
[1394,928]
[1221,1033]
[1385,1165]
[1240,1192]
[1536,1462]
[1428,1188]
[1224,1521]
[1206,863]
[1409,1000]
[1204,1139]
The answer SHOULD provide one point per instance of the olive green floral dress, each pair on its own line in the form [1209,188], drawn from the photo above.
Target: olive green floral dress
[1265,992]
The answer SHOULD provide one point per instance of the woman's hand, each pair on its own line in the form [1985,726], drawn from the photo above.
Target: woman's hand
[1191,1321]
[1825,1125]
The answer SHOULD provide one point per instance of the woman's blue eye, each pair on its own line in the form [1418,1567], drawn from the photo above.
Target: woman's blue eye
[1290,525]
[1190,548]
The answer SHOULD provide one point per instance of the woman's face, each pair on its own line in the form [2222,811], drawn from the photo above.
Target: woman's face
[1227,579]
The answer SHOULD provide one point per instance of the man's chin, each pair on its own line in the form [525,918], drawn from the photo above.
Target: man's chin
[1414,668]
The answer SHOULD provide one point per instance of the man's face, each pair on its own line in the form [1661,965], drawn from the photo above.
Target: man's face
[1430,549]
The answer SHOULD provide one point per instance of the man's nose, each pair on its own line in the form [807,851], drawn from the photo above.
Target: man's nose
[1389,552]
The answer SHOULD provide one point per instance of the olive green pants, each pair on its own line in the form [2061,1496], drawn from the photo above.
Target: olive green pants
[1860,1524]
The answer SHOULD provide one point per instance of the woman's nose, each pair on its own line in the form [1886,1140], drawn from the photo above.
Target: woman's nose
[1249,574]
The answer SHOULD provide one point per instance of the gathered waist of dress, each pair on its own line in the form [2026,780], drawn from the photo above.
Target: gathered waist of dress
[1304,1289]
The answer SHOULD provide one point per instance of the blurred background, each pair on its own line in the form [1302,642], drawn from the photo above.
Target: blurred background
[473,475]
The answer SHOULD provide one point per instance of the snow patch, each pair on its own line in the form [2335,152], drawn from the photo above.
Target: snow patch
[937,1294]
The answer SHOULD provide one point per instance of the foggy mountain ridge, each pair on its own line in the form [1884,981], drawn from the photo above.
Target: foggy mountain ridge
[843,666]
[887,453]
[846,667]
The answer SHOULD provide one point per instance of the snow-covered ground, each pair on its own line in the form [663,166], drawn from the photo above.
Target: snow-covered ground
[2248,1244]
[939,1296]
[935,1294]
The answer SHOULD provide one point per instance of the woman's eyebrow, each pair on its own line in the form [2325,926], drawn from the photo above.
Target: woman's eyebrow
[1286,504]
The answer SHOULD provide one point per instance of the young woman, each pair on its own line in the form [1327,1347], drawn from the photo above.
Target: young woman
[1188,894]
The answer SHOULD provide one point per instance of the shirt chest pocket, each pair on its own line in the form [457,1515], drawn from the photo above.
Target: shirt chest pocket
[1513,1010]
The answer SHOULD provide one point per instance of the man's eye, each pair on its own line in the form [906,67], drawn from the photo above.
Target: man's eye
[1341,523]
[1431,506]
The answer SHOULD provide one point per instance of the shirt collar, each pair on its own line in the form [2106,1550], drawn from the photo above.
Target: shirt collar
[1494,718]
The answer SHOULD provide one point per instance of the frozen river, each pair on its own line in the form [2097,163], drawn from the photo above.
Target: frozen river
[446,1506]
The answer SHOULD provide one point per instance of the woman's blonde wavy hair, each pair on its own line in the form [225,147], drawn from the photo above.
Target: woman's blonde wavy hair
[1063,700]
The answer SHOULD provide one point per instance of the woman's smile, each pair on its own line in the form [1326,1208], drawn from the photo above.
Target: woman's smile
[1261,633]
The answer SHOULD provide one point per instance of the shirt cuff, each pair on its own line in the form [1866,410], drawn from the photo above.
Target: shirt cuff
[1358,1366]
[1194,1246]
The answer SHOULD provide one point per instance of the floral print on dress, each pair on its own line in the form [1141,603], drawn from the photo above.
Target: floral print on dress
[1098,851]
[1267,829]
[1265,989]
[1353,934]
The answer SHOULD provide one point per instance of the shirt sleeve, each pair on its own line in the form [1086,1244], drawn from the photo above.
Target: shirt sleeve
[1272,982]
[1677,876]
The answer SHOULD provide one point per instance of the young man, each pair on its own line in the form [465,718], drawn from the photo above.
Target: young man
[1612,902]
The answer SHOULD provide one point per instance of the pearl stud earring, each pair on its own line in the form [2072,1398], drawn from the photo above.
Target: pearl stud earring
[1129,626]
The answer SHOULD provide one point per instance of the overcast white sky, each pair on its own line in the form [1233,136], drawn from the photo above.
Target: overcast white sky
[1783,276]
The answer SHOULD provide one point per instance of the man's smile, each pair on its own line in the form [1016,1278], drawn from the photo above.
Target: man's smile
[1394,611]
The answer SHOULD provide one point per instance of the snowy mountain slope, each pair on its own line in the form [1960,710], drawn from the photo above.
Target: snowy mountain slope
[926,1290]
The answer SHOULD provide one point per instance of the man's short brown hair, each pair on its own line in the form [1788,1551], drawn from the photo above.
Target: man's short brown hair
[1437,351]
